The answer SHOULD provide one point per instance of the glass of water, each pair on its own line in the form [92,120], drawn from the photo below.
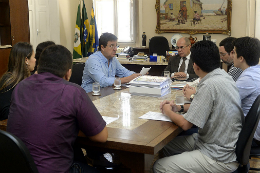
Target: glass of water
[166,74]
[117,83]
[179,98]
[96,88]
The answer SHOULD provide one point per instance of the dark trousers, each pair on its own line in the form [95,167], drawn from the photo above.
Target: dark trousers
[255,143]
[80,164]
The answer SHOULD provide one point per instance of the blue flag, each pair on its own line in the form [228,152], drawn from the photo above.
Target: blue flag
[85,38]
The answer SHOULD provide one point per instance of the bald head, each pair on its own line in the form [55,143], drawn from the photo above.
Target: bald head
[183,46]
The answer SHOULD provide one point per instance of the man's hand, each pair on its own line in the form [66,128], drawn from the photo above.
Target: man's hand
[188,91]
[180,75]
[174,107]
[129,78]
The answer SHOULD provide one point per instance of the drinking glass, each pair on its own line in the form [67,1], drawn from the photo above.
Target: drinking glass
[117,83]
[96,88]
[179,98]
[166,74]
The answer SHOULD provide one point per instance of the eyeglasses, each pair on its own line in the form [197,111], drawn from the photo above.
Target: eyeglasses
[222,54]
[232,52]
[113,47]
[181,47]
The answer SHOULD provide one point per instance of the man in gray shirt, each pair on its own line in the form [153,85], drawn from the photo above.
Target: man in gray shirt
[215,110]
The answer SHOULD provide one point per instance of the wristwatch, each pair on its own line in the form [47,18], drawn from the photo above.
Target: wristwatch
[182,108]
[191,97]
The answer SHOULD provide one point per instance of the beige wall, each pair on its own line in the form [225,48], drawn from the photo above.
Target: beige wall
[68,13]
[238,21]
[147,23]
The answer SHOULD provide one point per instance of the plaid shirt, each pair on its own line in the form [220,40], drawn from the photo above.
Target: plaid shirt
[234,72]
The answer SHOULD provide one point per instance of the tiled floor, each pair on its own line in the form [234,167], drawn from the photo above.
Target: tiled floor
[255,163]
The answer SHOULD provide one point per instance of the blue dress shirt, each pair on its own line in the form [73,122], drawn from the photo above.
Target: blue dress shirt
[97,70]
[248,85]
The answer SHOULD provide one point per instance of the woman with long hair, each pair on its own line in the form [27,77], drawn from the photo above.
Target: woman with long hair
[21,63]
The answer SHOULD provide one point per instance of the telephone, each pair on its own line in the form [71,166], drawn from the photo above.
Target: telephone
[129,50]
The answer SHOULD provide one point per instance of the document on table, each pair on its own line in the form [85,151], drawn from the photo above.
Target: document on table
[155,116]
[144,70]
[109,120]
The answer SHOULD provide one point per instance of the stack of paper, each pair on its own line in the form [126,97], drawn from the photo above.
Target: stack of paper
[150,86]
[178,86]
[140,58]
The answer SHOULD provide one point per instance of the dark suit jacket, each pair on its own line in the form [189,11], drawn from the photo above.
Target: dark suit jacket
[173,66]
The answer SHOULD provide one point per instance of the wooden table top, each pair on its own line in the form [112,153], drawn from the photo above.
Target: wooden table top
[128,132]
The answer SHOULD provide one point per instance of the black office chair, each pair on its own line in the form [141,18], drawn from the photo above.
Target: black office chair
[159,45]
[255,152]
[77,73]
[14,155]
[246,136]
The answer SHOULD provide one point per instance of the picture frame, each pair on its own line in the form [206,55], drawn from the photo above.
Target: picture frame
[193,16]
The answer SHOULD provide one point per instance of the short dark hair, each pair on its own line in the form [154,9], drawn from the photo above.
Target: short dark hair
[55,59]
[249,48]
[228,44]
[104,38]
[39,49]
[206,55]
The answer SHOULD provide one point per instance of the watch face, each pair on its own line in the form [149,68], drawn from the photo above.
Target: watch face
[191,97]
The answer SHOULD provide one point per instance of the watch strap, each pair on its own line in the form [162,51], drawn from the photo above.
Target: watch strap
[182,108]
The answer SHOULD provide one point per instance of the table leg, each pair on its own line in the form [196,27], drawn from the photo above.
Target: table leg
[134,161]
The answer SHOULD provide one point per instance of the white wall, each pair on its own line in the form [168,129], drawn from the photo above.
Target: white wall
[68,10]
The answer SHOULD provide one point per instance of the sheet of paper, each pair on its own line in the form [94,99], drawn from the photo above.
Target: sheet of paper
[155,116]
[144,70]
[178,85]
[109,120]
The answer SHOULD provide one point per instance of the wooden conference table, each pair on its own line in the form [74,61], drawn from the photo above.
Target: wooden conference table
[129,137]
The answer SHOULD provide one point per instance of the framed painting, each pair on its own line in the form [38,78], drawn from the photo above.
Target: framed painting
[194,16]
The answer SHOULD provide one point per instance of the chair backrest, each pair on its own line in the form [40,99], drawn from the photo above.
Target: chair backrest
[77,73]
[159,45]
[247,133]
[14,155]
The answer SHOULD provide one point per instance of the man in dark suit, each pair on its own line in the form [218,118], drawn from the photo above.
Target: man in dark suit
[181,66]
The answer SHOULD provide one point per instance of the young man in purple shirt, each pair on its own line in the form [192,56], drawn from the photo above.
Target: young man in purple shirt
[47,113]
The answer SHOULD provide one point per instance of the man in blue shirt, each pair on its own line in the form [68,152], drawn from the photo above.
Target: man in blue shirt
[246,55]
[103,66]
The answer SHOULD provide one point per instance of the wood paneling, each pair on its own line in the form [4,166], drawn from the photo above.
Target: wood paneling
[19,17]
[14,27]
[4,54]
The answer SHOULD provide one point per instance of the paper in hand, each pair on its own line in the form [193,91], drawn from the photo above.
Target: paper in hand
[144,70]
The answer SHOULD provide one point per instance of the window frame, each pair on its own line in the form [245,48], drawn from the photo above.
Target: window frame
[133,19]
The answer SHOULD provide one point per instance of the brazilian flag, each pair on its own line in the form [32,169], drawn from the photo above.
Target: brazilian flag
[85,39]
[77,53]
[93,38]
